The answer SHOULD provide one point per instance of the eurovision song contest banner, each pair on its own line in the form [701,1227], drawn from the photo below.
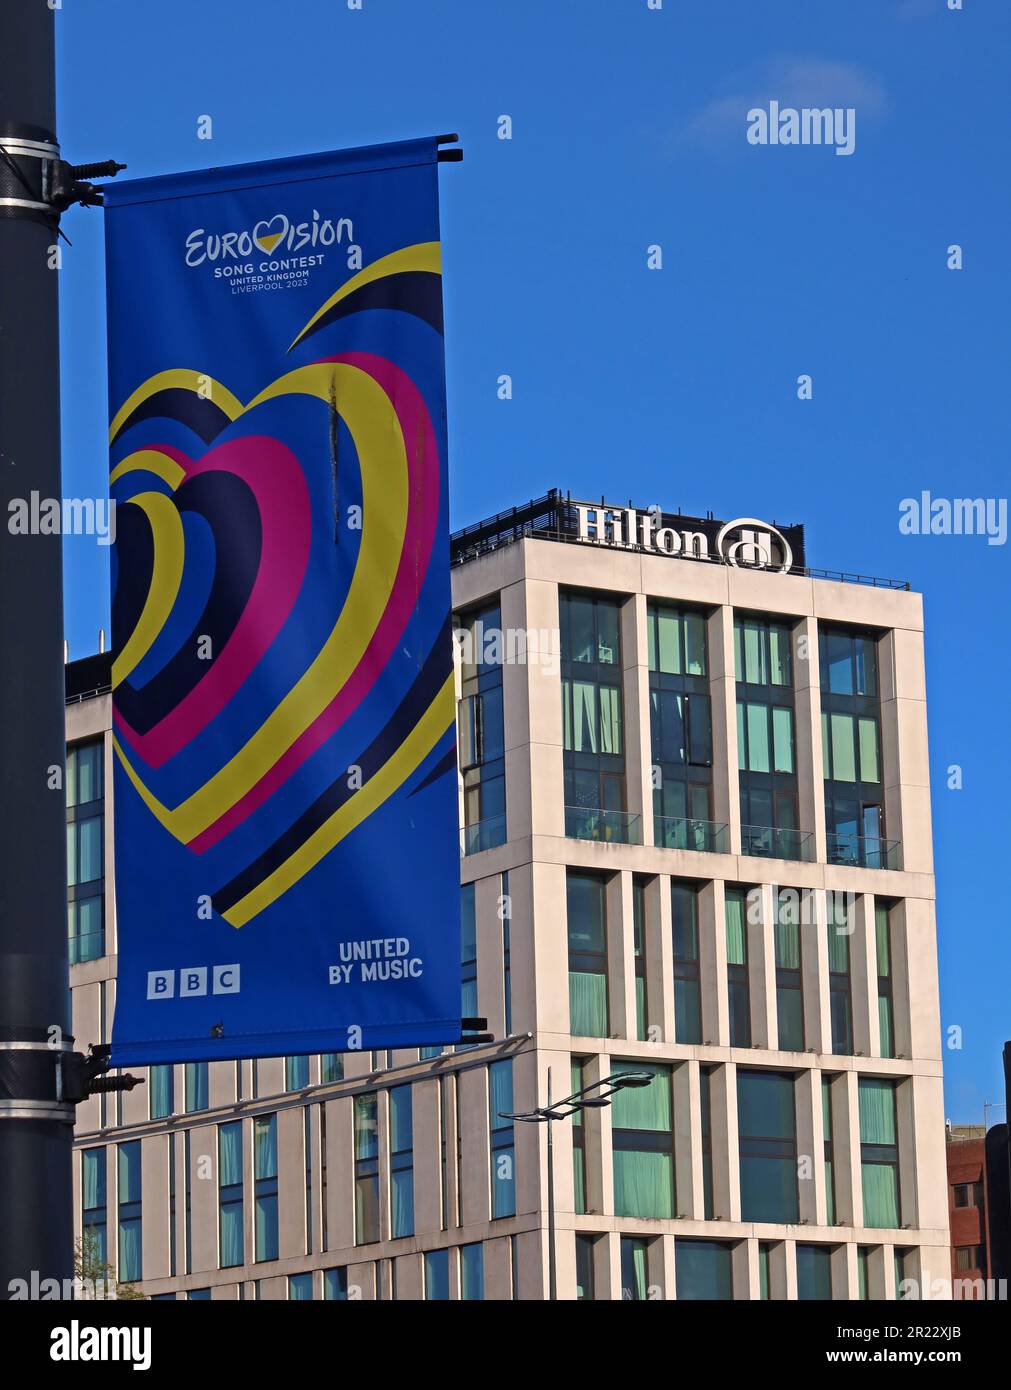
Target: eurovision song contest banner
[287,854]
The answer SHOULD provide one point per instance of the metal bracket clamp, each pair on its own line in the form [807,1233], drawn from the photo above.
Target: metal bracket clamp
[30,1080]
[27,175]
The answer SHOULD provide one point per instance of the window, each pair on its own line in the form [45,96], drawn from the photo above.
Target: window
[768,1146]
[634,1268]
[468,953]
[335,1284]
[851,748]
[969,1257]
[765,738]
[296,1073]
[886,1007]
[905,1274]
[196,1086]
[129,1193]
[840,992]
[703,1269]
[436,1275]
[587,928]
[481,729]
[826,1111]
[472,1271]
[199,1296]
[331,1067]
[503,1151]
[737,968]
[85,854]
[643,1144]
[592,732]
[789,987]
[585,1256]
[505,914]
[366,1124]
[265,1177]
[764,1270]
[161,1091]
[706,1090]
[231,1250]
[401,1162]
[94,1209]
[879,1153]
[863,1272]
[680,728]
[639,954]
[578,1144]
[687,994]
[300,1288]
[814,1272]
[968,1194]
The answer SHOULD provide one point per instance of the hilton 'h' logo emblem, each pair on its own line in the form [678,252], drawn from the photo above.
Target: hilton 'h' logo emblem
[754,543]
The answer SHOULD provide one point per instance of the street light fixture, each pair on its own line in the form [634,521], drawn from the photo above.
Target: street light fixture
[593,1097]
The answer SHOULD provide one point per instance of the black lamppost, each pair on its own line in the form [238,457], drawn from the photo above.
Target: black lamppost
[592,1097]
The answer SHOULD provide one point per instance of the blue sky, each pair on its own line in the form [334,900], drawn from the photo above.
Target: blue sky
[675,386]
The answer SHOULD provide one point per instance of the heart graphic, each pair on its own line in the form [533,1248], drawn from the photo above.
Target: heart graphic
[265,239]
[214,708]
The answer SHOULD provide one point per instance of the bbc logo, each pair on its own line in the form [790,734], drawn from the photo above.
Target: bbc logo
[161,984]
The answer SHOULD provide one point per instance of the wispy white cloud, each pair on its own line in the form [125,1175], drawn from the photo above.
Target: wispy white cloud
[790,80]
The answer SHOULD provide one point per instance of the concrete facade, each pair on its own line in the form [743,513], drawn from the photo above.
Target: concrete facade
[452,1142]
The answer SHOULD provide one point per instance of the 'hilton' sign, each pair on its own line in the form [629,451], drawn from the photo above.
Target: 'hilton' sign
[744,541]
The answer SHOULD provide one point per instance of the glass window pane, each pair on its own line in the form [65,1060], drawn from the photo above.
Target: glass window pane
[782,736]
[610,719]
[695,644]
[758,738]
[877,1111]
[580,628]
[869,750]
[642,1107]
[839,650]
[843,759]
[608,637]
[703,1269]
[736,942]
[366,1127]
[89,849]
[742,747]
[754,655]
[780,656]
[814,1273]
[670,642]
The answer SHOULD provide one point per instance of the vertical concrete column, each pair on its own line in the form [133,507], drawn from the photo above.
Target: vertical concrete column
[688,1142]
[788,1270]
[155,1205]
[638,737]
[864,979]
[811,1146]
[340,1173]
[524,943]
[248,1204]
[663,1258]
[611,1263]
[845,1277]
[291,1182]
[915,987]
[905,754]
[203,1198]
[597,1139]
[877,1273]
[427,1157]
[659,959]
[746,1272]
[760,919]
[475,1156]
[723,697]
[814,972]
[725,1144]
[546,885]
[620,956]
[535,801]
[498,1277]
[923,1180]
[846,1149]
[713,963]
[490,956]
[810,758]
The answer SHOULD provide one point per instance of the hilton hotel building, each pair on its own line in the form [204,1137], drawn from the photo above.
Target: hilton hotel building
[695,841]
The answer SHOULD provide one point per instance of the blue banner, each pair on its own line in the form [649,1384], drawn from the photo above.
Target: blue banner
[287,854]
